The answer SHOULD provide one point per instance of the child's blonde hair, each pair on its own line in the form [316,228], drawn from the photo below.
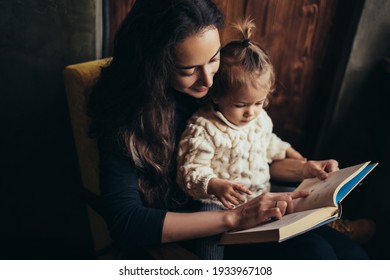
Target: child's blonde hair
[243,62]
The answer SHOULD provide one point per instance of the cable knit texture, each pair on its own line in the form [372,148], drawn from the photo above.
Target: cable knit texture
[211,146]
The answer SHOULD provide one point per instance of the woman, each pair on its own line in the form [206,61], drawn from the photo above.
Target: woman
[165,56]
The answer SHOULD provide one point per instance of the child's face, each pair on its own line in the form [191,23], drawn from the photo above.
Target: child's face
[196,61]
[243,105]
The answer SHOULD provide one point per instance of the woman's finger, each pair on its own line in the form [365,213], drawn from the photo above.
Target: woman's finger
[272,214]
[282,205]
[286,200]
[298,194]
[321,174]
[331,165]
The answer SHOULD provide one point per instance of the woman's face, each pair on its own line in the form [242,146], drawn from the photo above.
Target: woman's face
[196,60]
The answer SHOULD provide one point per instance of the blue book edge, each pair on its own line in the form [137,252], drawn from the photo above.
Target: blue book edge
[344,190]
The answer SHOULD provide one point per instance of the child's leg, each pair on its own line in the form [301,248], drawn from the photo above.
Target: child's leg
[207,248]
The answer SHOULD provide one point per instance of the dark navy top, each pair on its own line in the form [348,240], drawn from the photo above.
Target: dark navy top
[131,223]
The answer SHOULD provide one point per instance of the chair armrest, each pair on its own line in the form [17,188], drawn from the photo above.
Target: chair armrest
[171,251]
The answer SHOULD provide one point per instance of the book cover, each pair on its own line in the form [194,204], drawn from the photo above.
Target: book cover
[320,207]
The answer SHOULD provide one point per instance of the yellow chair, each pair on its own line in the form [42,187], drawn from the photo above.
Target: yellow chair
[79,79]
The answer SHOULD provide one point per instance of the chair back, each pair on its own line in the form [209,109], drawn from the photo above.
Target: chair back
[79,80]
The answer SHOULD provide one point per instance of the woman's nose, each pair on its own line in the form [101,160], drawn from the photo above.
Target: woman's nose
[206,76]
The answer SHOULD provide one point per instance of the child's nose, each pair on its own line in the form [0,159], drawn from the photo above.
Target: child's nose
[249,111]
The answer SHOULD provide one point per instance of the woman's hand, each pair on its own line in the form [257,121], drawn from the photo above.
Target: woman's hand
[263,208]
[319,168]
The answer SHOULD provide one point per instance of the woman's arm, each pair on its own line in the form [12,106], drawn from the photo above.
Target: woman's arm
[130,222]
[184,226]
[133,224]
[295,170]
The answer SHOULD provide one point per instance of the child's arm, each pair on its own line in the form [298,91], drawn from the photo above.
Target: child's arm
[195,154]
[228,193]
[277,148]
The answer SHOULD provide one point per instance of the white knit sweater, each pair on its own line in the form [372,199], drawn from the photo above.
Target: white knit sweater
[211,146]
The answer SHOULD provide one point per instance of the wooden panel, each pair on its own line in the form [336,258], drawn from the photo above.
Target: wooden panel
[296,35]
[118,10]
[233,10]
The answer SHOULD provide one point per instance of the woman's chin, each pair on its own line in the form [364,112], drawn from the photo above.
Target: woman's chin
[198,93]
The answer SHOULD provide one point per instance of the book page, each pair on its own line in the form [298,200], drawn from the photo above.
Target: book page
[323,192]
[288,220]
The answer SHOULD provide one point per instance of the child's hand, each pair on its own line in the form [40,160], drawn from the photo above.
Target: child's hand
[228,192]
[292,153]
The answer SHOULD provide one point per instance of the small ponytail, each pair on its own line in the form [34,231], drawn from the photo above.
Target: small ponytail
[243,61]
[245,28]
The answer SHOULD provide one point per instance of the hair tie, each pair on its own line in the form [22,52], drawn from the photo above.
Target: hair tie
[245,43]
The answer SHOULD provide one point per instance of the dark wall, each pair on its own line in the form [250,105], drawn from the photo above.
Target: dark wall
[358,127]
[44,216]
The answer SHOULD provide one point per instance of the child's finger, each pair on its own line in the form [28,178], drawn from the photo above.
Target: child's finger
[233,199]
[239,197]
[225,203]
[242,189]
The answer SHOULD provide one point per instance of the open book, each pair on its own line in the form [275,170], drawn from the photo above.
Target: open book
[320,207]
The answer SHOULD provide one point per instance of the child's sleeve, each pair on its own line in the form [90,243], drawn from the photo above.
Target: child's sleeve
[276,147]
[195,153]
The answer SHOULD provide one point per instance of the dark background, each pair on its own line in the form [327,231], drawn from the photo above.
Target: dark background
[42,212]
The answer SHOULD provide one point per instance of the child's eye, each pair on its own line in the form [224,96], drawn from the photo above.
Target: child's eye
[239,105]
[259,103]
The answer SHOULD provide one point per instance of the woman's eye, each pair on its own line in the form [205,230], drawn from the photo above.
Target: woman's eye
[187,73]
